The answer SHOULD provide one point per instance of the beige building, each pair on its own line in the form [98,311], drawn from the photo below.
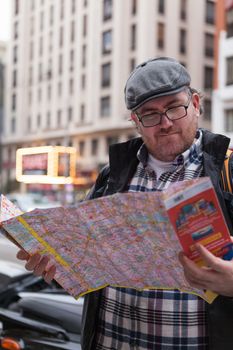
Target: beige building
[3,51]
[69,60]
[222,117]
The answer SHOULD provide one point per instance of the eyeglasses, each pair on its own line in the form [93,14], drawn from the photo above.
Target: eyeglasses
[155,118]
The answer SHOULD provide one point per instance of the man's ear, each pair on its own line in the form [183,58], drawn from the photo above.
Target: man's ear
[133,117]
[196,102]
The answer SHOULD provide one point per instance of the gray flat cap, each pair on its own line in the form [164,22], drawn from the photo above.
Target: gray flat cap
[155,78]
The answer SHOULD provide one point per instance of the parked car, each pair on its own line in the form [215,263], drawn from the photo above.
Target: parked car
[8,251]
[30,201]
[35,315]
[15,279]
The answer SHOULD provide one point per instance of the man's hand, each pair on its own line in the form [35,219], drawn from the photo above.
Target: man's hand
[217,277]
[38,264]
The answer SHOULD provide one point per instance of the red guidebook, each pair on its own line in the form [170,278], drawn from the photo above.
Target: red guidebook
[197,217]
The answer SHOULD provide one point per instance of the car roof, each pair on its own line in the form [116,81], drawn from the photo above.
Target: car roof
[11,269]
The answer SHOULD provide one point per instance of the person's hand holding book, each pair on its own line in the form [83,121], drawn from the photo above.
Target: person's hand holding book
[216,276]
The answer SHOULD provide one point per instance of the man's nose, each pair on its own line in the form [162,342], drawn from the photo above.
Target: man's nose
[165,121]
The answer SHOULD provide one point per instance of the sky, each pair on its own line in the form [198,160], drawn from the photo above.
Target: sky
[5,6]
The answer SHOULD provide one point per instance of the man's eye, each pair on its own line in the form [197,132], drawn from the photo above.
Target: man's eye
[150,116]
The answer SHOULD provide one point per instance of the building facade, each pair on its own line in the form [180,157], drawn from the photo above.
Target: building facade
[3,52]
[69,60]
[222,118]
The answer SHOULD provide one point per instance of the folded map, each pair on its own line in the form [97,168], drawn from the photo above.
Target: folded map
[128,239]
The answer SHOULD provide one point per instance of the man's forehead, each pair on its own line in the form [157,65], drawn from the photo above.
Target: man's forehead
[163,101]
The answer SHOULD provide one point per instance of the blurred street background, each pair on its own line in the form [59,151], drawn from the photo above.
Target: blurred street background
[63,67]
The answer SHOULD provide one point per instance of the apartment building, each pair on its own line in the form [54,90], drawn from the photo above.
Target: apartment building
[222,117]
[69,60]
[3,49]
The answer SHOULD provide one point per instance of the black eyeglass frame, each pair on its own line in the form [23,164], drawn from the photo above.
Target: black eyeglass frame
[161,114]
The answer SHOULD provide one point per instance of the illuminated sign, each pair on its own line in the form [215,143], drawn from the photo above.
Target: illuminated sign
[46,164]
[36,164]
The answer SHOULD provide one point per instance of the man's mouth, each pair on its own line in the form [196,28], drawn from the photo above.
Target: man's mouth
[168,134]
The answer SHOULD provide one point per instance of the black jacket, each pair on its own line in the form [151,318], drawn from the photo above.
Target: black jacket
[114,178]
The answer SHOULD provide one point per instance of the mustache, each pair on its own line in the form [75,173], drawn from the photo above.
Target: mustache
[168,131]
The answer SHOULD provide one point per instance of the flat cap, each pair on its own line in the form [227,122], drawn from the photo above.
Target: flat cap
[156,77]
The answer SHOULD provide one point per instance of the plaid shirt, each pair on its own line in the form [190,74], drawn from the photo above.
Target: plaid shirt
[155,319]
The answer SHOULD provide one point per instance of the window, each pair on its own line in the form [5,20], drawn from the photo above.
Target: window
[161,35]
[39,95]
[82,113]
[62,9]
[105,108]
[106,75]
[16,30]
[71,86]
[50,41]
[13,124]
[84,51]
[229,120]
[59,88]
[29,123]
[134,7]
[70,114]
[107,9]
[30,96]
[51,13]
[38,120]
[208,76]
[61,37]
[107,42]
[14,78]
[73,6]
[110,140]
[49,69]
[31,55]
[72,31]
[48,119]
[71,60]
[13,104]
[15,54]
[229,71]
[59,117]
[84,25]
[81,148]
[49,92]
[209,45]
[229,22]
[161,6]
[132,64]
[41,21]
[210,12]
[133,37]
[94,147]
[60,64]
[40,72]
[182,41]
[83,81]
[207,109]
[41,46]
[16,7]
[183,9]
[30,77]
[32,26]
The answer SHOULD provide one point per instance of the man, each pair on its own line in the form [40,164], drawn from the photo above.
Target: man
[165,110]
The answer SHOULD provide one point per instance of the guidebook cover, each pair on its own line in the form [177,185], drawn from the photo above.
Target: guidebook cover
[197,218]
